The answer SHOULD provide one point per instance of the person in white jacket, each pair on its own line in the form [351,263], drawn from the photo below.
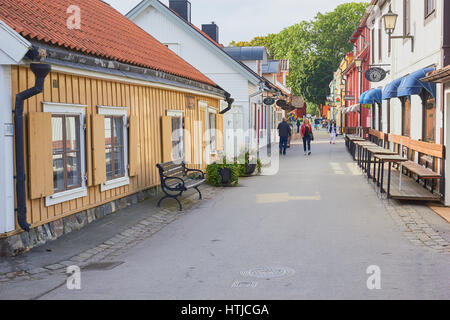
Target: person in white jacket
[332,129]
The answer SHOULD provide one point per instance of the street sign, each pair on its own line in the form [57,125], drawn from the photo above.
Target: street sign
[269,101]
[349,98]
[375,74]
[281,103]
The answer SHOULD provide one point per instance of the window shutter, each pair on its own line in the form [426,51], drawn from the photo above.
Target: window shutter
[40,155]
[133,145]
[166,134]
[188,140]
[220,136]
[98,149]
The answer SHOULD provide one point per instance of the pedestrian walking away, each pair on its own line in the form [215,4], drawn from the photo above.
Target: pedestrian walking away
[333,131]
[299,124]
[307,136]
[284,131]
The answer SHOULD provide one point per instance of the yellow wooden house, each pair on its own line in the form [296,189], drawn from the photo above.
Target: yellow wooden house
[115,103]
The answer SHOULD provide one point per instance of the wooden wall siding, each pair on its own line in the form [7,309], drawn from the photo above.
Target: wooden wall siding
[147,106]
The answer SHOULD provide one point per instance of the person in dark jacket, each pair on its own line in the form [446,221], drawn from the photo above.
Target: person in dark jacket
[333,132]
[306,132]
[284,131]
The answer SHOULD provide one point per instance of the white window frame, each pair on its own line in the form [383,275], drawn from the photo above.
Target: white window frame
[125,180]
[70,109]
[178,114]
[209,111]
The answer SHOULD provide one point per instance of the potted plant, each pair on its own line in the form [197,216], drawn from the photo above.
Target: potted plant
[222,174]
[249,166]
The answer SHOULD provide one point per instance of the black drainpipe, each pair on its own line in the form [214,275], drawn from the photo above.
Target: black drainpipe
[40,71]
[229,101]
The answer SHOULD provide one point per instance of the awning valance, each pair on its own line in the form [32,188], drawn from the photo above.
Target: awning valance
[371,96]
[390,90]
[412,85]
[353,108]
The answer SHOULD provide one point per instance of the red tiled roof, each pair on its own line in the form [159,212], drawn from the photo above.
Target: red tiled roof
[104,33]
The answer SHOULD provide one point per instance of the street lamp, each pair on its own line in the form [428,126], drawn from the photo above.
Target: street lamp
[358,64]
[390,21]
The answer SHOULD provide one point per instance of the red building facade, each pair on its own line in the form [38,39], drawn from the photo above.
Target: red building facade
[356,83]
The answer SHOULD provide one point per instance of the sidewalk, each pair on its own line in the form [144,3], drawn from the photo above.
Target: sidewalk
[101,240]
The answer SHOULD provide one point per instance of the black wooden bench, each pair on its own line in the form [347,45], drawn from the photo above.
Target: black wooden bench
[176,178]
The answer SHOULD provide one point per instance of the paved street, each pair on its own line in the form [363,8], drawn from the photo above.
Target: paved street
[310,232]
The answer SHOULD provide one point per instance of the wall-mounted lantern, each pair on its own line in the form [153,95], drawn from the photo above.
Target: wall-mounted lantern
[390,21]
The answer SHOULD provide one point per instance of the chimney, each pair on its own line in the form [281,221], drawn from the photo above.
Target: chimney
[212,30]
[182,7]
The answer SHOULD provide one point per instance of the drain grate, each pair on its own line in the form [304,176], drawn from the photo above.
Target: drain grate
[269,272]
[102,266]
[245,284]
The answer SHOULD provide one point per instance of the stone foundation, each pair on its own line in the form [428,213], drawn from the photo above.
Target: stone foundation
[22,242]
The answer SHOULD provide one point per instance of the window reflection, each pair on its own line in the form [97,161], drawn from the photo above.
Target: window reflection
[114,133]
[66,152]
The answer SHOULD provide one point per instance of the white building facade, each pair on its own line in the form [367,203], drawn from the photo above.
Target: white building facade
[172,27]
[13,48]
[411,107]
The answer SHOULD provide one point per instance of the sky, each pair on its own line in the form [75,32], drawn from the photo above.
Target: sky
[242,20]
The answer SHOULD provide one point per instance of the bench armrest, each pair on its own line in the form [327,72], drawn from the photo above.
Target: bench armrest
[178,187]
[196,170]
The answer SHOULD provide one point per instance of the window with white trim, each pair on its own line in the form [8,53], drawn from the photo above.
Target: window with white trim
[69,157]
[212,130]
[177,134]
[116,147]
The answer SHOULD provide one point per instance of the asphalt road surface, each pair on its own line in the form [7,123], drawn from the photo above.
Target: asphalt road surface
[309,232]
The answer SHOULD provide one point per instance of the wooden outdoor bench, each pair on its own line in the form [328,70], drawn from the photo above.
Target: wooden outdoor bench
[176,178]
[378,137]
[427,153]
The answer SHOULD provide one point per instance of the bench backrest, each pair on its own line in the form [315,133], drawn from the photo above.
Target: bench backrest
[426,152]
[378,137]
[172,169]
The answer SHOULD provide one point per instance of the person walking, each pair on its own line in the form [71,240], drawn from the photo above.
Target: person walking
[299,124]
[284,131]
[333,131]
[307,135]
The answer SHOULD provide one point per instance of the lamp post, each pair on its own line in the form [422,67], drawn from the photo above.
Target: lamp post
[342,93]
[358,64]
[390,21]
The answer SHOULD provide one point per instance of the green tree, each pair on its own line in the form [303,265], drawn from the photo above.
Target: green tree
[315,48]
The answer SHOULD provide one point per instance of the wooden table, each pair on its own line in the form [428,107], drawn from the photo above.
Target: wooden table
[349,142]
[376,151]
[361,151]
[382,158]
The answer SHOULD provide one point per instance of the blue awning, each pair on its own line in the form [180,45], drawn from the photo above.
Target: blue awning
[371,96]
[411,84]
[390,90]
[362,97]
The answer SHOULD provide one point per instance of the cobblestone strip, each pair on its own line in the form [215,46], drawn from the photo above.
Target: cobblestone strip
[414,228]
[120,243]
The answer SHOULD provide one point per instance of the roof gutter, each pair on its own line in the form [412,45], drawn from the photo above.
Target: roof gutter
[40,71]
